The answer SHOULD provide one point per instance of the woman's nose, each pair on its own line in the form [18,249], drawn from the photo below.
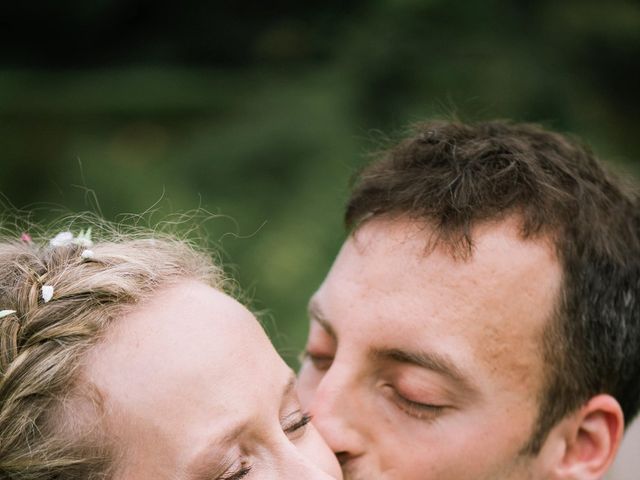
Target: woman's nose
[297,464]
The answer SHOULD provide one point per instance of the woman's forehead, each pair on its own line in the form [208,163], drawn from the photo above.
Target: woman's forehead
[190,351]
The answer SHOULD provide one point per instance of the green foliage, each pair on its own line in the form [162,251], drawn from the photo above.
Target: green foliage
[263,115]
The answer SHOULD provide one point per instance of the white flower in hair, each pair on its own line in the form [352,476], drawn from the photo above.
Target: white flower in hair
[87,254]
[47,293]
[84,238]
[62,239]
[6,313]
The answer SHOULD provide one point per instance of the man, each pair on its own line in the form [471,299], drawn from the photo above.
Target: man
[482,320]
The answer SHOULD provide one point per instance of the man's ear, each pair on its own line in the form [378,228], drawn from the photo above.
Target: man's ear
[591,438]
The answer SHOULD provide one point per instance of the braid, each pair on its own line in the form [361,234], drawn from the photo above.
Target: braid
[35,371]
[9,331]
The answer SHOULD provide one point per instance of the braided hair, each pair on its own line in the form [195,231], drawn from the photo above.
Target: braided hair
[50,417]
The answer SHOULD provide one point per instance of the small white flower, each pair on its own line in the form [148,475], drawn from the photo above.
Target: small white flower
[61,239]
[87,254]
[47,293]
[84,238]
[6,313]
[64,239]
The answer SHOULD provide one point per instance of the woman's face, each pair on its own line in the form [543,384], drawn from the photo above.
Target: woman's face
[194,390]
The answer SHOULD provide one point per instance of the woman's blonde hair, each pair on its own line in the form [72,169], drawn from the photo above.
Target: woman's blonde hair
[45,432]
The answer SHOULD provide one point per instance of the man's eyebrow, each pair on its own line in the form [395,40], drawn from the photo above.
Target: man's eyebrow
[206,463]
[430,361]
[316,314]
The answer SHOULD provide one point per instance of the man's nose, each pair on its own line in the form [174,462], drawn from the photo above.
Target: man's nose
[337,412]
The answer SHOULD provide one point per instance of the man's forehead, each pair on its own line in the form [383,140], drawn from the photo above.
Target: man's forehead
[499,251]
[498,300]
[391,231]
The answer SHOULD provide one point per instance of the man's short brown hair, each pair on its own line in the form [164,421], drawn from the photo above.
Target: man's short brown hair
[454,176]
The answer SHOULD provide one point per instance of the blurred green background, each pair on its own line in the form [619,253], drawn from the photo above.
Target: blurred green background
[261,111]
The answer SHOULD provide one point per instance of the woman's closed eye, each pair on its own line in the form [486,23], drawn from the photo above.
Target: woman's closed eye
[239,469]
[294,425]
[237,474]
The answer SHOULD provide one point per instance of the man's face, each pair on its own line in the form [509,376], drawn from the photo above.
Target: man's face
[423,366]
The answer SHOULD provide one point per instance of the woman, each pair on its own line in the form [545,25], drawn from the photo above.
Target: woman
[124,359]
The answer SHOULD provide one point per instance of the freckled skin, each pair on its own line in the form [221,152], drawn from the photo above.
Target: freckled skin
[486,312]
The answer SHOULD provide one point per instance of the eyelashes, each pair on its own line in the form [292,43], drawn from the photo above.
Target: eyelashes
[297,424]
[421,411]
[293,426]
[237,475]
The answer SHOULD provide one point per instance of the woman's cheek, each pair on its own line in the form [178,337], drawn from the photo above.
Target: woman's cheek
[314,448]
